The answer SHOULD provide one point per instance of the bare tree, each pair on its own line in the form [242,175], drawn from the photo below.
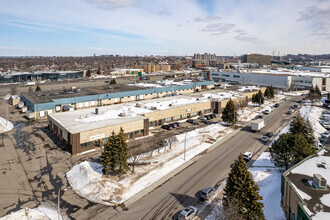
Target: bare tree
[171,141]
[134,155]
[230,210]
[30,89]
[14,90]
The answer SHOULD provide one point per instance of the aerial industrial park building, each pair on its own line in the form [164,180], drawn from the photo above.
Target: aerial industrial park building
[286,80]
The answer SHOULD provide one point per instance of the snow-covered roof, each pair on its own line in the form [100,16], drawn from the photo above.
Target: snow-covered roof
[86,119]
[301,178]
[290,72]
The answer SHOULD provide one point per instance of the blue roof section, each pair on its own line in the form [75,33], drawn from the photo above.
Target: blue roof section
[79,99]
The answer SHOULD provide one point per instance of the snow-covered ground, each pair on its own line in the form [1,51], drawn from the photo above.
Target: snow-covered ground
[268,178]
[87,180]
[5,125]
[45,211]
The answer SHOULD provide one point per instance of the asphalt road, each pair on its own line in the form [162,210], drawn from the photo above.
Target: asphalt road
[208,169]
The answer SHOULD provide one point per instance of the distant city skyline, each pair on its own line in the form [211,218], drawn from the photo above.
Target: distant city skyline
[156,27]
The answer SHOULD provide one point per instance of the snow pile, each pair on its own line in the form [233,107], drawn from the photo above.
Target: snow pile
[5,125]
[86,178]
[264,160]
[146,85]
[247,88]
[25,214]
[313,114]
[6,97]
[45,211]
[268,178]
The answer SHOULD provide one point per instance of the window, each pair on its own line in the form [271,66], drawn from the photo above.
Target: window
[207,110]
[184,115]
[194,113]
[235,76]
[176,117]
[225,75]
[168,119]
[292,215]
[85,145]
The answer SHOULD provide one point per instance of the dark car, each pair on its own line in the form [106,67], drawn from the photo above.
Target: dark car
[276,105]
[207,117]
[259,116]
[211,116]
[269,134]
[192,121]
[214,115]
[177,124]
[207,193]
[167,127]
[295,106]
[207,122]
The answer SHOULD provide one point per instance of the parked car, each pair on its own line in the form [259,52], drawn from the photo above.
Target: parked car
[295,106]
[211,116]
[269,134]
[247,156]
[214,115]
[264,139]
[202,117]
[177,124]
[207,193]
[290,111]
[207,122]
[326,133]
[188,213]
[167,127]
[267,111]
[322,139]
[276,105]
[207,117]
[167,95]
[258,117]
[192,121]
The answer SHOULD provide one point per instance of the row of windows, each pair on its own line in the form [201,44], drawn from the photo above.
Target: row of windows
[235,76]
[178,117]
[225,75]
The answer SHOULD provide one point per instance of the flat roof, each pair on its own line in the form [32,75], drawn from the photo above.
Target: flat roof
[86,119]
[301,177]
[49,96]
[287,72]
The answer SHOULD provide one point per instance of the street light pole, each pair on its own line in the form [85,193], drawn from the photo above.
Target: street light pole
[58,204]
[185,142]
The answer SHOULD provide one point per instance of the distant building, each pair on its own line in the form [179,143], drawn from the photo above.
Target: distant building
[150,68]
[305,188]
[127,72]
[39,76]
[201,60]
[256,58]
[278,78]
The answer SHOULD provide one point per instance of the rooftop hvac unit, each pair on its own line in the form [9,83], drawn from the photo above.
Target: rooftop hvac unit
[96,111]
[123,114]
[137,105]
[319,181]
[153,108]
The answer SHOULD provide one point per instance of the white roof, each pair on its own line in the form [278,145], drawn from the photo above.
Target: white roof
[86,119]
[289,72]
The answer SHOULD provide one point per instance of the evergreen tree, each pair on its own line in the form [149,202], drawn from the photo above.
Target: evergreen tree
[254,100]
[98,72]
[267,93]
[317,92]
[123,152]
[115,154]
[301,147]
[109,155]
[113,81]
[38,88]
[272,92]
[299,125]
[289,149]
[281,152]
[243,191]
[229,114]
[259,98]
[88,73]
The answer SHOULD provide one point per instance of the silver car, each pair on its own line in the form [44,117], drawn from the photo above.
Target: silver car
[207,193]
[188,213]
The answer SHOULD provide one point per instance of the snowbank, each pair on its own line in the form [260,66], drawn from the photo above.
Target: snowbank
[313,114]
[5,125]
[86,178]
[45,211]
[268,178]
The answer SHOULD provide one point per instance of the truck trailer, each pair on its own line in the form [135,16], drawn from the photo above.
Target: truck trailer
[257,125]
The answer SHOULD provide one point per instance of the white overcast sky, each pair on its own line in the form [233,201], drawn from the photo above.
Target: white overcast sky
[163,27]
